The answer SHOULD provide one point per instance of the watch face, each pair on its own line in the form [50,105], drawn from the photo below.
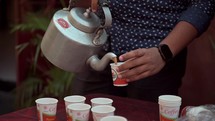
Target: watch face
[166,52]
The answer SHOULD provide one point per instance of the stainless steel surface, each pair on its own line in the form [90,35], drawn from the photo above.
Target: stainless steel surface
[100,65]
[84,19]
[69,47]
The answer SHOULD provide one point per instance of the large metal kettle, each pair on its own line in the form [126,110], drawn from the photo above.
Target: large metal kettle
[75,37]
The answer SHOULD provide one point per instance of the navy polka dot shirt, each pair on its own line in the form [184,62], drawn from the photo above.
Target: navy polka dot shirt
[145,23]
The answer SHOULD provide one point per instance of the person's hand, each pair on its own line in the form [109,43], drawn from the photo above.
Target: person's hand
[94,5]
[140,63]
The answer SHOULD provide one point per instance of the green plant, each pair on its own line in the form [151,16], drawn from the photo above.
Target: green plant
[43,79]
[33,87]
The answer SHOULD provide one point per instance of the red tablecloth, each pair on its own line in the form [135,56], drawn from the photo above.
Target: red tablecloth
[133,110]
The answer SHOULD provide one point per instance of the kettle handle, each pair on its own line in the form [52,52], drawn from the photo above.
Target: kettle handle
[96,38]
[108,17]
[107,23]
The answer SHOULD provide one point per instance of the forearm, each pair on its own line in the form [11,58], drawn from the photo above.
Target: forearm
[182,34]
[192,23]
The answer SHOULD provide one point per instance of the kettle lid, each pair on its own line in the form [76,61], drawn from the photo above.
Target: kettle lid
[84,19]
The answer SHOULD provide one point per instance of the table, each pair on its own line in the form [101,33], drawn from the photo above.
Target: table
[132,109]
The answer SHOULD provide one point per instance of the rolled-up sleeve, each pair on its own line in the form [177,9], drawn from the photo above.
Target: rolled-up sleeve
[199,14]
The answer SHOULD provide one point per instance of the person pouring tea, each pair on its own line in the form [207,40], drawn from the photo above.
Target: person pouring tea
[151,37]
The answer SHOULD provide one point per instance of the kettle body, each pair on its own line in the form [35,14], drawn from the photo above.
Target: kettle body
[70,41]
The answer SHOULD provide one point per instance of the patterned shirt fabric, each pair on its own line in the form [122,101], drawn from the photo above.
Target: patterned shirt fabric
[145,23]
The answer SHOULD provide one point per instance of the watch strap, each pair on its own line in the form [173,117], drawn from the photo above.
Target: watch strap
[165,52]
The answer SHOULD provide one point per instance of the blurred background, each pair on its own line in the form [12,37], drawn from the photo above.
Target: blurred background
[26,75]
[7,57]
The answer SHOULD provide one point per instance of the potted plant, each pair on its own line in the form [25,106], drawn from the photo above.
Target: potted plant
[42,78]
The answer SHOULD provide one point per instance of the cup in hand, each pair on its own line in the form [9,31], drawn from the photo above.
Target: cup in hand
[169,106]
[117,81]
[101,111]
[78,112]
[46,109]
[101,101]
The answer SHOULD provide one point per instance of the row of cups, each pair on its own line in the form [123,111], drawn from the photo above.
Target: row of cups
[77,109]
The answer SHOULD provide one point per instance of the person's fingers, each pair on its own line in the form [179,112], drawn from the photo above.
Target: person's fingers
[132,54]
[134,71]
[132,63]
[94,5]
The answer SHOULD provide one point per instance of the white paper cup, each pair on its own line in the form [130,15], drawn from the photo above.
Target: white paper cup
[114,118]
[117,81]
[78,112]
[73,99]
[101,111]
[101,101]
[169,107]
[46,109]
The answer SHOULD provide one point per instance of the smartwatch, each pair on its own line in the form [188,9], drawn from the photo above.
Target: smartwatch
[165,52]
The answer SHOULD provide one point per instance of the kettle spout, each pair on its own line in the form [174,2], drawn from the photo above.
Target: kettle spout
[98,64]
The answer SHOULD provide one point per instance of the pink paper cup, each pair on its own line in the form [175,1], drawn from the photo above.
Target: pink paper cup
[73,99]
[113,118]
[78,112]
[46,109]
[100,111]
[101,101]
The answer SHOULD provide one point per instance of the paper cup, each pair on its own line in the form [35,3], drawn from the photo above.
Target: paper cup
[101,111]
[73,99]
[114,118]
[169,107]
[46,109]
[101,101]
[117,81]
[78,112]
